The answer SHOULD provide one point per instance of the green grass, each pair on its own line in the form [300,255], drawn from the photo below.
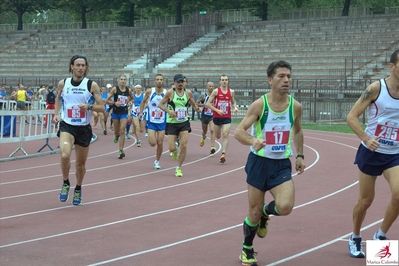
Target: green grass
[342,128]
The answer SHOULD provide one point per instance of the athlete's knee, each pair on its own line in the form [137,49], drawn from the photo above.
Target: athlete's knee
[255,213]
[284,208]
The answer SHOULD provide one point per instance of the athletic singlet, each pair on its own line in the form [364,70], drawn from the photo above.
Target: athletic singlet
[205,110]
[136,104]
[156,115]
[21,96]
[30,94]
[71,97]
[276,129]
[123,98]
[179,105]
[222,102]
[383,120]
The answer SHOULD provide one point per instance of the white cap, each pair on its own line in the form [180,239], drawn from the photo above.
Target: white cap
[109,86]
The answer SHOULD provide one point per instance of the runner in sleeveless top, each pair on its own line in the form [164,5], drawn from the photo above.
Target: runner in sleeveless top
[378,153]
[207,118]
[177,124]
[119,98]
[220,101]
[275,119]
[156,123]
[138,126]
[76,98]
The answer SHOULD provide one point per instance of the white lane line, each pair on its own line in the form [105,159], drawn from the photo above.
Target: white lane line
[210,233]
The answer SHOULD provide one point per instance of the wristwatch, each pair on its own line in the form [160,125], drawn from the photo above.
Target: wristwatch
[90,107]
[300,156]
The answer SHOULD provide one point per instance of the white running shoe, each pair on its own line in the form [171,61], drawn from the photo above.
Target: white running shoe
[157,165]
[375,237]
[355,247]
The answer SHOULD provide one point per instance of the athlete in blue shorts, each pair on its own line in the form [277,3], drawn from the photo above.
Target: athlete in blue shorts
[275,119]
[378,153]
[156,122]
[119,97]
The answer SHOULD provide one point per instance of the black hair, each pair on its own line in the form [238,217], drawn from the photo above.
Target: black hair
[394,57]
[271,70]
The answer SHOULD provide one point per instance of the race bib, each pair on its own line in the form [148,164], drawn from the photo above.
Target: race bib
[388,131]
[277,136]
[223,106]
[123,100]
[157,114]
[181,113]
[75,112]
[207,111]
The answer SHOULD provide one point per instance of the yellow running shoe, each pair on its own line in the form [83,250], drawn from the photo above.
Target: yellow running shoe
[263,226]
[248,257]
[178,172]
[175,155]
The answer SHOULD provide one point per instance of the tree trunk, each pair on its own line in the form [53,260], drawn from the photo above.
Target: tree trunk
[131,15]
[83,16]
[20,21]
[179,7]
[263,10]
[345,10]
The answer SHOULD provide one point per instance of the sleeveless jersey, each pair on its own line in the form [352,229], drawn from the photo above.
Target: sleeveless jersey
[30,94]
[222,101]
[21,96]
[179,105]
[206,111]
[123,98]
[156,115]
[383,120]
[136,104]
[276,129]
[71,97]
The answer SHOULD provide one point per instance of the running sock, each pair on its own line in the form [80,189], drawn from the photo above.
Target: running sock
[128,128]
[355,236]
[78,187]
[380,233]
[249,233]
[67,182]
[270,209]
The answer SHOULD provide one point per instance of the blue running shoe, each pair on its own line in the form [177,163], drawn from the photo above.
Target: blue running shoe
[77,197]
[64,193]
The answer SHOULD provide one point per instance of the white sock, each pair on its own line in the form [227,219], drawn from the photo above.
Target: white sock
[380,233]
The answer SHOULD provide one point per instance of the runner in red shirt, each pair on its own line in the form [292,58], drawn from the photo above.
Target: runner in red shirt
[221,101]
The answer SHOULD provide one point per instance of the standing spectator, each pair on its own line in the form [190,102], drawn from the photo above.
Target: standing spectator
[77,97]
[22,96]
[50,94]
[3,92]
[196,96]
[207,117]
[177,124]
[156,123]
[274,114]
[220,102]
[378,152]
[3,95]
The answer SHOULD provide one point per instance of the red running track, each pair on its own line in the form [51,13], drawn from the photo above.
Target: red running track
[135,215]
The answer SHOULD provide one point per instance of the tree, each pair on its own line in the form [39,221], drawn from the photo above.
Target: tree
[20,7]
[345,10]
[83,7]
